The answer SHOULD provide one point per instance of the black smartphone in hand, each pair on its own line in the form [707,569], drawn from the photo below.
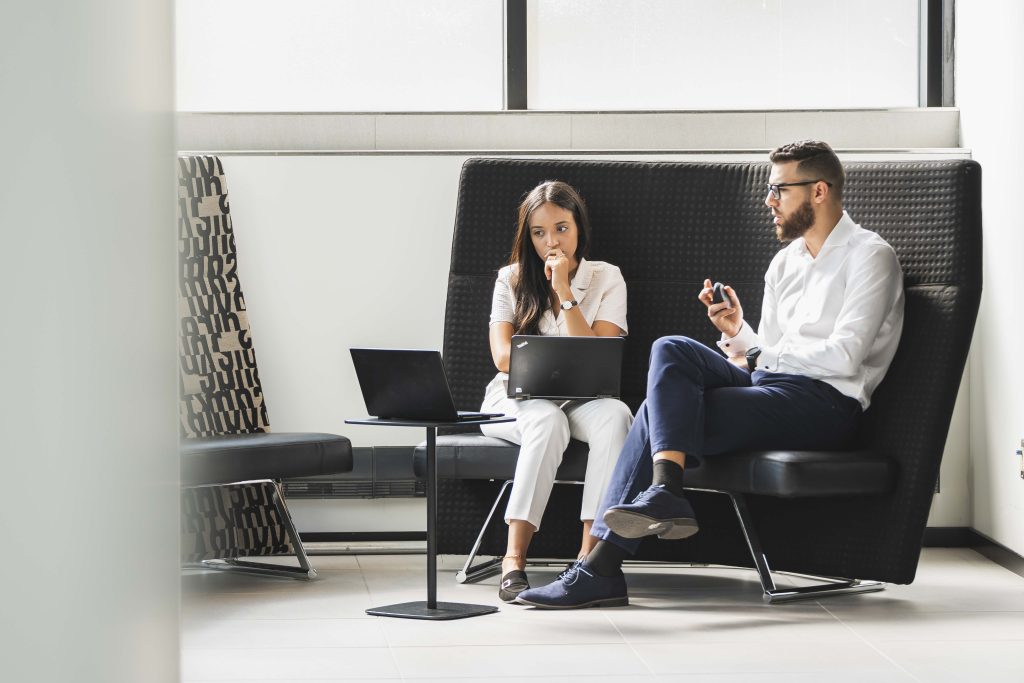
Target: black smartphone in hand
[718,295]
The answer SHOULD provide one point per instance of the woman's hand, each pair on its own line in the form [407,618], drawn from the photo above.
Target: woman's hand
[556,269]
[727,318]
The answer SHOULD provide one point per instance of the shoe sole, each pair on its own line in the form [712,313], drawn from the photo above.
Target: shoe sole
[630,524]
[603,602]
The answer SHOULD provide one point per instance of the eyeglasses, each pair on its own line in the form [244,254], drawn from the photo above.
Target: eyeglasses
[776,188]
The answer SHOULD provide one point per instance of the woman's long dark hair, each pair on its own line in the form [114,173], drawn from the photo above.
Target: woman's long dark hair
[532,290]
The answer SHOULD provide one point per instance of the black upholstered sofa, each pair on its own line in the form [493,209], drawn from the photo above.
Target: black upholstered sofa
[860,514]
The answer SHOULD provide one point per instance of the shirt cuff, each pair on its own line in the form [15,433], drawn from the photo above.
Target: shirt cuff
[768,360]
[738,345]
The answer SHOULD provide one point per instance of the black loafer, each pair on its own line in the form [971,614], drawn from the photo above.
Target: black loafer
[512,584]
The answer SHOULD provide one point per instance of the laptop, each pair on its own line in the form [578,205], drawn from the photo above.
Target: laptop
[408,385]
[565,367]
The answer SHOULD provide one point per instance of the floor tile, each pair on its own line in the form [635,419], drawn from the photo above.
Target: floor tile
[746,657]
[935,626]
[788,677]
[960,661]
[486,662]
[344,605]
[222,634]
[281,663]
[512,625]
[797,624]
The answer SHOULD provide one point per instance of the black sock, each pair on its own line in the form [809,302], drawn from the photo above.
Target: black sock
[670,474]
[606,558]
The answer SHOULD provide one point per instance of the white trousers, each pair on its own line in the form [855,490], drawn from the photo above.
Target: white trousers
[542,429]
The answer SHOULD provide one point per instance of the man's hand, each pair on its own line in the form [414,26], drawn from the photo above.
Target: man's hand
[728,320]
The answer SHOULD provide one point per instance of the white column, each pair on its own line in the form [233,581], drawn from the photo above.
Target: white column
[87,342]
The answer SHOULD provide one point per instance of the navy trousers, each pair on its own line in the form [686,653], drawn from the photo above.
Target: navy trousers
[703,405]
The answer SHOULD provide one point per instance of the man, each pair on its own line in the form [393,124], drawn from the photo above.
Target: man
[830,323]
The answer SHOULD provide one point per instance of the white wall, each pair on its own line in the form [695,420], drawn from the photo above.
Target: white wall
[87,343]
[990,64]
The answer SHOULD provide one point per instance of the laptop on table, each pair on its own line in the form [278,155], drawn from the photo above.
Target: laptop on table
[408,384]
[564,368]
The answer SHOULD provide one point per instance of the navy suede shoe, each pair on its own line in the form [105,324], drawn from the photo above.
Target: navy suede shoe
[578,587]
[653,512]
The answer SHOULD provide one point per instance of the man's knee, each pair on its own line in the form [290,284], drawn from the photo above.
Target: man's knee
[674,348]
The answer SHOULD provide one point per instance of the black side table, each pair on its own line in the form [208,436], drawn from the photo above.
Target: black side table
[430,609]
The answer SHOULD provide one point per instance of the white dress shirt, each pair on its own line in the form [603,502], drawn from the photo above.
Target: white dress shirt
[836,317]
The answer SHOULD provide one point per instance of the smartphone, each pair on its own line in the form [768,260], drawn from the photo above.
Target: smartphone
[718,295]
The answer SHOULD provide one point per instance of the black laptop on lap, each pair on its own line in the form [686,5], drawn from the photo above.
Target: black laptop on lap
[563,368]
[408,384]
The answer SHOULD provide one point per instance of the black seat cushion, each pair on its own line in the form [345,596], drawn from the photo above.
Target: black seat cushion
[795,474]
[262,455]
[786,474]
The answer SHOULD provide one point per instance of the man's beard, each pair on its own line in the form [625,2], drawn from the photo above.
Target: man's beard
[799,222]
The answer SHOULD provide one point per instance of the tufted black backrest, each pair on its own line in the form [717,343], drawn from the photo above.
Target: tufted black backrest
[670,225]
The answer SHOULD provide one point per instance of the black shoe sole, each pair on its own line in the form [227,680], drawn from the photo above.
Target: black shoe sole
[603,602]
[630,524]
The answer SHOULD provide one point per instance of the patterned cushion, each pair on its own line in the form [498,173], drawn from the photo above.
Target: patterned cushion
[219,391]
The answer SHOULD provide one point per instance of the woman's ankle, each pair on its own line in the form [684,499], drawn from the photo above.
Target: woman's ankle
[512,561]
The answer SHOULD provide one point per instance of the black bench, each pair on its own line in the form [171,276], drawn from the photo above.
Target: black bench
[858,514]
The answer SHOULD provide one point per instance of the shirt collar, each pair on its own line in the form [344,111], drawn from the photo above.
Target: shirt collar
[839,237]
[580,283]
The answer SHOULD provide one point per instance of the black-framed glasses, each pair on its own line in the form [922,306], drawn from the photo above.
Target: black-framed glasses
[776,188]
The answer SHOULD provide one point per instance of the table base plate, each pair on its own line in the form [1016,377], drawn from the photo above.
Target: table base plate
[419,610]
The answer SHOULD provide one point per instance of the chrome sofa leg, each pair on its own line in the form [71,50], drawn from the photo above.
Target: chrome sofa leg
[469,573]
[773,594]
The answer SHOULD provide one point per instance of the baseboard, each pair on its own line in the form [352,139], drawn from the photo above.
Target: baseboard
[966,537]
[949,537]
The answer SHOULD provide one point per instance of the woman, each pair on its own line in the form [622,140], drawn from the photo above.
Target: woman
[549,288]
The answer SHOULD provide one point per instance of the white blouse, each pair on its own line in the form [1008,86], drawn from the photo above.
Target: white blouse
[598,287]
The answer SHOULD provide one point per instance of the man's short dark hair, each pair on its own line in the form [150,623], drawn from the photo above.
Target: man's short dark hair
[815,159]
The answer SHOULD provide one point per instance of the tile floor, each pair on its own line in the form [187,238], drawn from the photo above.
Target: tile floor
[961,620]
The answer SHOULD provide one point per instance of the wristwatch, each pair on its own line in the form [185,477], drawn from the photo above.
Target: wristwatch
[752,353]
[566,305]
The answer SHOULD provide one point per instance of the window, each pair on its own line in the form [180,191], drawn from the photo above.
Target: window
[722,54]
[339,55]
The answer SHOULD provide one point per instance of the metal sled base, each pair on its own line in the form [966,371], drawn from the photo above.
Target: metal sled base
[827,586]
[303,571]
